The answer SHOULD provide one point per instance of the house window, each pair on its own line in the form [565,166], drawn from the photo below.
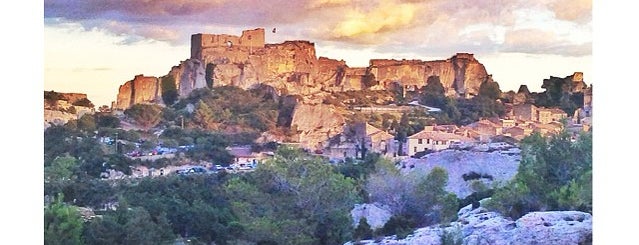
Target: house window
[415,149]
[427,141]
[419,141]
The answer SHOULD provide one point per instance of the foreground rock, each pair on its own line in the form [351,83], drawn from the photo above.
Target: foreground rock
[487,163]
[375,216]
[481,227]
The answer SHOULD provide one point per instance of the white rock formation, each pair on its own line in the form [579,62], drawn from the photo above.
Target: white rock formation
[500,164]
[375,216]
[481,227]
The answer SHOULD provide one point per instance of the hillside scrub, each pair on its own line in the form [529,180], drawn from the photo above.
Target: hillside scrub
[554,174]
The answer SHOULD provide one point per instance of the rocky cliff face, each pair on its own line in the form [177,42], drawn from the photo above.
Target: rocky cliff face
[481,227]
[292,67]
[316,124]
[460,74]
[59,108]
[141,89]
[570,84]
[189,75]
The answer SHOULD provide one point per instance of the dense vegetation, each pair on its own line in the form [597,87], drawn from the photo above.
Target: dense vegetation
[293,198]
[169,91]
[554,174]
[462,111]
[249,111]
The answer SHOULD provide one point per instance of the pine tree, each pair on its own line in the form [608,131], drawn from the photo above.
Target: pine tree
[62,223]
[204,116]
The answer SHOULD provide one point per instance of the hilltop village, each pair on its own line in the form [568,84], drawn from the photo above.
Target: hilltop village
[307,86]
[394,146]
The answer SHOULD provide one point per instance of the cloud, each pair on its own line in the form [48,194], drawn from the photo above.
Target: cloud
[140,10]
[327,3]
[572,10]
[439,26]
[536,41]
[386,16]
[95,69]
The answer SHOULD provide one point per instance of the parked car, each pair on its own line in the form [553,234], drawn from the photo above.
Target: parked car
[193,170]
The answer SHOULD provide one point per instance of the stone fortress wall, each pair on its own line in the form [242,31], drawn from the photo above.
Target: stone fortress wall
[293,67]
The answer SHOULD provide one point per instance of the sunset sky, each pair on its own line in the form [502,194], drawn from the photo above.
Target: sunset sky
[94,46]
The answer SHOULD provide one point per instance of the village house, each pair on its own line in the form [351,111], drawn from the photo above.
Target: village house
[529,112]
[518,132]
[430,139]
[483,130]
[360,138]
[546,129]
[507,123]
[243,155]
[524,112]
[547,115]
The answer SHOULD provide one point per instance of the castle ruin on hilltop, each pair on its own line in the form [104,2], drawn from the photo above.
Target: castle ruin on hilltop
[292,67]
[201,43]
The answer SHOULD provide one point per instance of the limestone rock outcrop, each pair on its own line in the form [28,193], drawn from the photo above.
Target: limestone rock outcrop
[142,89]
[461,74]
[188,76]
[489,165]
[375,216]
[292,67]
[570,84]
[481,227]
[316,124]
[59,108]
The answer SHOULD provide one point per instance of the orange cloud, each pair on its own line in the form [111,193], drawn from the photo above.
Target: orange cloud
[386,16]
[572,10]
[327,3]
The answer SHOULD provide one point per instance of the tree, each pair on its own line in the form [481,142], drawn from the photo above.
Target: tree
[363,230]
[169,91]
[294,198]
[104,109]
[87,123]
[421,200]
[554,174]
[211,147]
[107,121]
[128,226]
[192,206]
[204,116]
[62,168]
[433,93]
[84,102]
[368,80]
[431,203]
[145,115]
[62,223]
[490,90]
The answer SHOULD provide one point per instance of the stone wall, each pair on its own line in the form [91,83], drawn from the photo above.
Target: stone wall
[253,39]
[292,67]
